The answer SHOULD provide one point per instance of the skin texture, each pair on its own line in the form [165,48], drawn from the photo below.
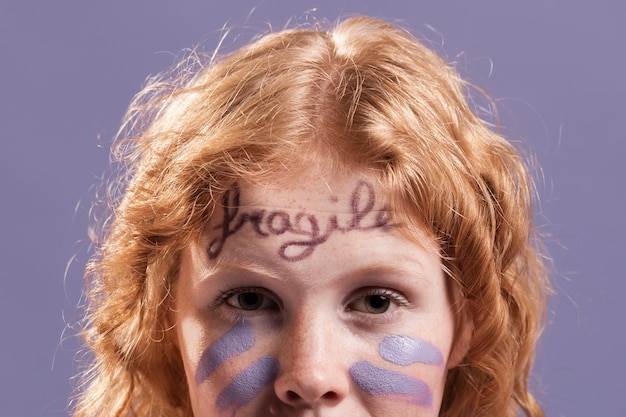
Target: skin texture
[360,326]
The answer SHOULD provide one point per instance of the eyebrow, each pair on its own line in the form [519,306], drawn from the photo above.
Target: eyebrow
[239,263]
[242,262]
[414,268]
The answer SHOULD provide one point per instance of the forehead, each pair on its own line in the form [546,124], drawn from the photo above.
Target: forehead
[292,217]
[314,191]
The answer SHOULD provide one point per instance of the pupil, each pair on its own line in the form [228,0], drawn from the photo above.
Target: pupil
[250,300]
[377,303]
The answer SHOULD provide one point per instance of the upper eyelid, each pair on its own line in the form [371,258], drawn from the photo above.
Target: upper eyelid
[397,296]
[225,295]
[369,290]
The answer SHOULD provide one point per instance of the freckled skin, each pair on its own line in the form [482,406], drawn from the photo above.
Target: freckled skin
[237,340]
[311,315]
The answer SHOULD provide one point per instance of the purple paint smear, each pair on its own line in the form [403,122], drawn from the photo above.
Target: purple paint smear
[405,350]
[379,381]
[249,383]
[237,340]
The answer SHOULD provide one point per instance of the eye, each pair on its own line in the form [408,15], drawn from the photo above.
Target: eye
[249,299]
[376,301]
[376,304]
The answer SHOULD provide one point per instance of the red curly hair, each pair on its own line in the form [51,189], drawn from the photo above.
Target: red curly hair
[363,92]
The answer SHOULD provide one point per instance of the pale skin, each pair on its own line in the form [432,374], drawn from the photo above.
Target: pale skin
[290,331]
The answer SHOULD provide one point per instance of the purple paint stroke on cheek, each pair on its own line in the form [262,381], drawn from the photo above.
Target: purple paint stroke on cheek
[249,383]
[405,350]
[237,340]
[379,381]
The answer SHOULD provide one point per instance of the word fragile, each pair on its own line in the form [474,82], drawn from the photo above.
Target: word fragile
[362,216]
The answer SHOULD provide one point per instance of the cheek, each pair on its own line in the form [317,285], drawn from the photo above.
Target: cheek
[412,384]
[379,381]
[248,384]
[406,350]
[236,341]
[221,380]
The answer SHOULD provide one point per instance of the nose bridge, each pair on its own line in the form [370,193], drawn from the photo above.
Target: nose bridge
[310,361]
[311,342]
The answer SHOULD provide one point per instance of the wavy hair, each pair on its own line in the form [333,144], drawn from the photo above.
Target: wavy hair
[363,94]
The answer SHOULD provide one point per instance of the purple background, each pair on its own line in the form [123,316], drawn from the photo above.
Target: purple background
[69,68]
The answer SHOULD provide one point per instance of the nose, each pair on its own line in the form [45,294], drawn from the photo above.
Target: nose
[312,372]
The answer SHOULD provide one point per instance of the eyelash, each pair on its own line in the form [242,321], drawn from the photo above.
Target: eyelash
[398,299]
[228,294]
[394,296]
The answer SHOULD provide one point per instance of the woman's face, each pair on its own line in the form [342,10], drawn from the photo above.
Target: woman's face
[308,300]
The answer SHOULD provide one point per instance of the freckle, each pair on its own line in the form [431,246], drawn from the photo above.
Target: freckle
[333,199]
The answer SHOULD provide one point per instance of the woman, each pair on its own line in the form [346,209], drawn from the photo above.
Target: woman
[315,225]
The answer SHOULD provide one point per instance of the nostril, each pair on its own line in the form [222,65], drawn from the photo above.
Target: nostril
[293,396]
[330,396]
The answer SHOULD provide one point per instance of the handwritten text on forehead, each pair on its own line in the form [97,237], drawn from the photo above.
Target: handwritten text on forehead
[303,231]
